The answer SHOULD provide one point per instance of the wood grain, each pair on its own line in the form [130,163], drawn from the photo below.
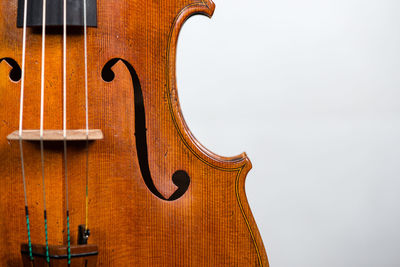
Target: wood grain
[210,225]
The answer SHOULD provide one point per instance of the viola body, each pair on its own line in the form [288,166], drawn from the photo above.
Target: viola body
[157,197]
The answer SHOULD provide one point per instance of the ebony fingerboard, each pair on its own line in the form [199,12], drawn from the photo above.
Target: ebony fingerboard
[54,13]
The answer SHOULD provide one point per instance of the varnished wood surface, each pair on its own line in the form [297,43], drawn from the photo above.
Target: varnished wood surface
[210,225]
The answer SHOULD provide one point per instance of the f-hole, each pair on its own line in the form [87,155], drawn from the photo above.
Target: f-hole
[15,72]
[180,178]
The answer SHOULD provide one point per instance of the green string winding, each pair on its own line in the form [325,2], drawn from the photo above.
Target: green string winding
[47,241]
[68,239]
[29,233]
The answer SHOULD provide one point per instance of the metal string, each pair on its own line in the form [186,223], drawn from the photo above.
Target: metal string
[41,126]
[65,124]
[21,112]
[87,116]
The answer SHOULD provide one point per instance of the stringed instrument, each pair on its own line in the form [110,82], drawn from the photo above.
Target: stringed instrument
[98,167]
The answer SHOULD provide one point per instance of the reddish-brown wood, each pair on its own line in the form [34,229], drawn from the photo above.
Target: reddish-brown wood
[210,225]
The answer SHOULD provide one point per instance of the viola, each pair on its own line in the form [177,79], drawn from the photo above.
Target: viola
[98,167]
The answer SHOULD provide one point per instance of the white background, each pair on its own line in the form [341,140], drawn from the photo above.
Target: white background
[310,89]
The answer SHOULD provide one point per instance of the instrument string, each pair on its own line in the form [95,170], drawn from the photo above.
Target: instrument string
[41,125]
[21,112]
[65,125]
[87,117]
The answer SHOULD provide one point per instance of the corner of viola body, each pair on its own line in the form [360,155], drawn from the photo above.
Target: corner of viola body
[210,7]
[240,162]
[247,161]
[204,7]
